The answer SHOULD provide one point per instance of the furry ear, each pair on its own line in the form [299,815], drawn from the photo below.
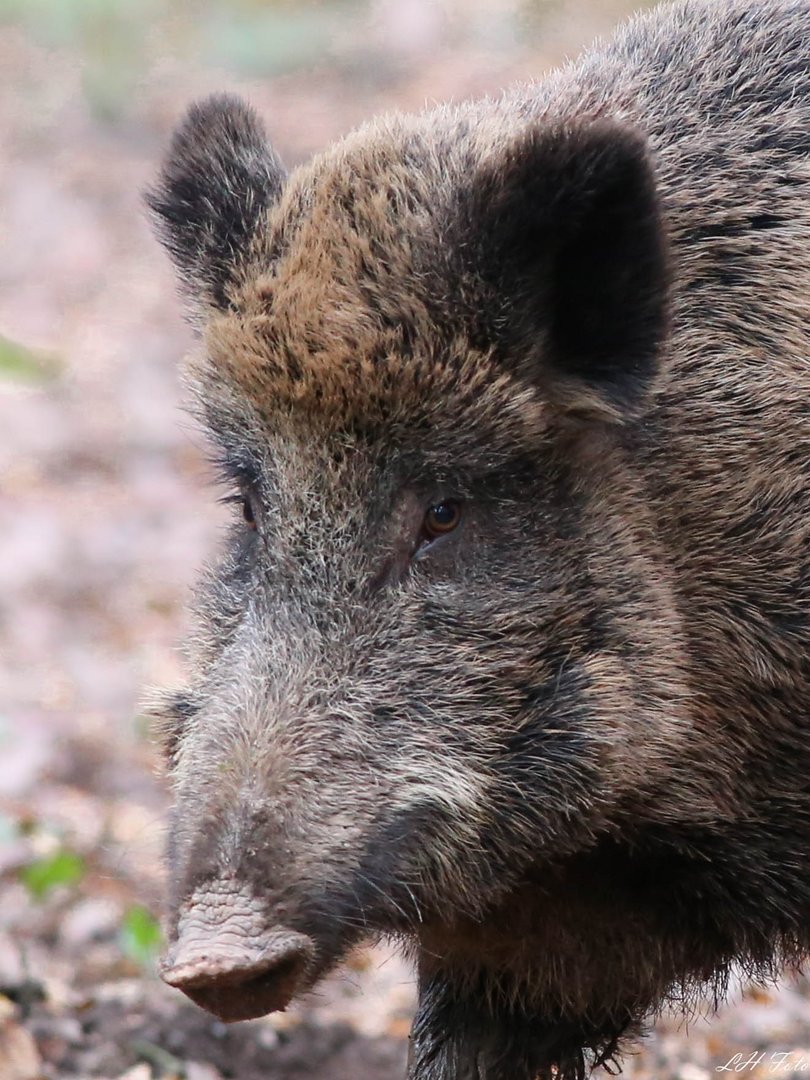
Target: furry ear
[217,181]
[570,244]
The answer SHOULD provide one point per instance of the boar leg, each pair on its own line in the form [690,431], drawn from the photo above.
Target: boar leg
[467,1034]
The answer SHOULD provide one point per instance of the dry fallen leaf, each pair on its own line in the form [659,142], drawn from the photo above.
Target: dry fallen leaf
[399,1027]
[19,1057]
[198,1070]
[137,1072]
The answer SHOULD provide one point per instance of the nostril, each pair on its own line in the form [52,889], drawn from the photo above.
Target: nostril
[232,967]
[285,972]
[238,983]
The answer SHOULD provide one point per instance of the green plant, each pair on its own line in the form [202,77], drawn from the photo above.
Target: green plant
[63,867]
[17,362]
[140,935]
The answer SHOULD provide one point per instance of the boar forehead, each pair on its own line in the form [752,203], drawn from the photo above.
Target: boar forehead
[453,411]
[354,314]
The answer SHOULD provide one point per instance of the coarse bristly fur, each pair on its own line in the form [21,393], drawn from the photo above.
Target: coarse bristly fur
[562,751]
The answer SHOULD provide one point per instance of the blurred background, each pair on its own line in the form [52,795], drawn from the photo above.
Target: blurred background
[107,510]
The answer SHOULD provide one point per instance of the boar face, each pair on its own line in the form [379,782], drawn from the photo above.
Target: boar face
[438,649]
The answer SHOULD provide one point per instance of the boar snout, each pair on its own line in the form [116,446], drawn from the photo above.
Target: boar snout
[231,960]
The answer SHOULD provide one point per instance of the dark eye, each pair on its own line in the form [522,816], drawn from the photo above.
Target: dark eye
[247,512]
[441,519]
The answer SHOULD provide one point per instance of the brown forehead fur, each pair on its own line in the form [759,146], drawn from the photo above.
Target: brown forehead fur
[343,316]
[365,385]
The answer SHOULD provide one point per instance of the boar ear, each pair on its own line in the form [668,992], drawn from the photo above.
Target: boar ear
[217,181]
[573,248]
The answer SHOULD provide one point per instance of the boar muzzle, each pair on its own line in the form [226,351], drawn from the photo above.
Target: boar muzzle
[230,960]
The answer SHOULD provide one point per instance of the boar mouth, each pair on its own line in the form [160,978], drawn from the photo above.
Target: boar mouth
[235,981]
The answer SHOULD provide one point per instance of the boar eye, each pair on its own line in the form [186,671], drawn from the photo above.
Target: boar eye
[441,519]
[247,512]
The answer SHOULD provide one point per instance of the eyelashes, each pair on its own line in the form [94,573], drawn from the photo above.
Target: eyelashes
[240,472]
[169,713]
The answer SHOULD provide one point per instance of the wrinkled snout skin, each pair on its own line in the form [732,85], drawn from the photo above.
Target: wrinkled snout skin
[227,958]
[506,654]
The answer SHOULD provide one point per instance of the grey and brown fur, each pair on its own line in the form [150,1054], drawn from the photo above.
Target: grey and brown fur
[564,753]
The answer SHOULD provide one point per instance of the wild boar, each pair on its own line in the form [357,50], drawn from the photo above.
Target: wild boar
[507,654]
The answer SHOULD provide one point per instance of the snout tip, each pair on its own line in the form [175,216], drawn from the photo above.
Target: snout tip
[234,981]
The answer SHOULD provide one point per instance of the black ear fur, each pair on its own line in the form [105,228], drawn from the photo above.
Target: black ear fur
[217,181]
[569,240]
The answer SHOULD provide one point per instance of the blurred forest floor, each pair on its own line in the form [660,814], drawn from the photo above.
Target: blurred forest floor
[106,511]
